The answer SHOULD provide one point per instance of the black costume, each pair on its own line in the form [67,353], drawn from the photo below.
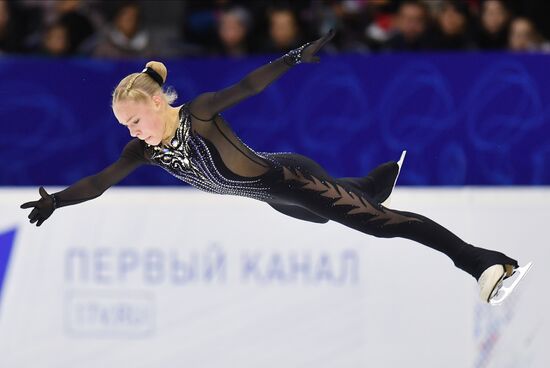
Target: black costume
[206,153]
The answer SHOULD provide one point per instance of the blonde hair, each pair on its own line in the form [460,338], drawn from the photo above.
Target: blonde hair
[140,86]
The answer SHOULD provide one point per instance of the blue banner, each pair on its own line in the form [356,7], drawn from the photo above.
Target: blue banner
[465,119]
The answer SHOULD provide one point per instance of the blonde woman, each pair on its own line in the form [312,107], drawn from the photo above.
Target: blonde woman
[194,143]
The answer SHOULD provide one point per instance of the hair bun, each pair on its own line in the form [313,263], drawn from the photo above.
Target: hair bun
[158,67]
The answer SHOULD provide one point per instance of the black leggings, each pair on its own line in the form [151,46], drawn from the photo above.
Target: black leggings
[307,192]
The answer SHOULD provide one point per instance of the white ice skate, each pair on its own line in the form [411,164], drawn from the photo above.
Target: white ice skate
[491,289]
[387,202]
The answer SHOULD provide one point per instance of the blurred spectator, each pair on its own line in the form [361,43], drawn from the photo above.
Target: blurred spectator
[454,31]
[233,27]
[72,14]
[56,40]
[524,37]
[493,30]
[284,30]
[124,38]
[412,24]
[537,11]
[349,18]
[75,15]
[9,37]
[379,31]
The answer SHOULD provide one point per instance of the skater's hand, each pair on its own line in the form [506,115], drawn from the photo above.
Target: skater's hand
[306,53]
[43,208]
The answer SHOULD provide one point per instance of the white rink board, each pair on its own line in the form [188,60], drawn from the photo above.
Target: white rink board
[178,278]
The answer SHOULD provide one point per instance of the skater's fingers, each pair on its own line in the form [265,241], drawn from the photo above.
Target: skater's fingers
[33,220]
[29,204]
[323,40]
[33,213]
[40,222]
[43,193]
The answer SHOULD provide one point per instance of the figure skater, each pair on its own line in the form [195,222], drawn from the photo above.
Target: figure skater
[194,143]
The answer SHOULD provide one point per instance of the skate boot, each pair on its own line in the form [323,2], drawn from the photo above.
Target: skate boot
[491,282]
[378,183]
[384,178]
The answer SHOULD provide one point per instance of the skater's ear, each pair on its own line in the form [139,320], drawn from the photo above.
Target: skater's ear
[157,101]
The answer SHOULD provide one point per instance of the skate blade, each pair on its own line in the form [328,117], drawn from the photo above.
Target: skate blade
[401,159]
[387,202]
[504,292]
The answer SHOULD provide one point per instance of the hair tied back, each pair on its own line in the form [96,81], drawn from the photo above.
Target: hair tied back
[153,74]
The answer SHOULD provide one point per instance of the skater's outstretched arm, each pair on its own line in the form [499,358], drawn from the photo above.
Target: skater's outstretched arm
[207,105]
[89,187]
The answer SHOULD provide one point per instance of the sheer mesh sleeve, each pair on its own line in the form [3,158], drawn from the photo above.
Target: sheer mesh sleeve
[207,105]
[93,186]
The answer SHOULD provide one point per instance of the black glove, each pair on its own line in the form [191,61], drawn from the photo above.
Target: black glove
[43,208]
[306,53]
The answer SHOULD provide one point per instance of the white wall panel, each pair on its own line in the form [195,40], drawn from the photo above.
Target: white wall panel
[174,277]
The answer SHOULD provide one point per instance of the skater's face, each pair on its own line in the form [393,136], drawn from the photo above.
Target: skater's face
[143,119]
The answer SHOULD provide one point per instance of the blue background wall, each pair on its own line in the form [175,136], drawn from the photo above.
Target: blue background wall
[465,119]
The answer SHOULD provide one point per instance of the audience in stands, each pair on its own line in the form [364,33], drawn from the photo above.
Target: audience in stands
[122,29]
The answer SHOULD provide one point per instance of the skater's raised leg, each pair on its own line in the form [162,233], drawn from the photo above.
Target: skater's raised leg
[334,200]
